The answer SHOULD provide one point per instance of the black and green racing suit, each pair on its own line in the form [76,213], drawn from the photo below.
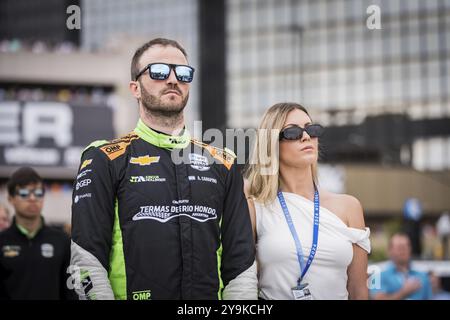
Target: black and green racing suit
[160,217]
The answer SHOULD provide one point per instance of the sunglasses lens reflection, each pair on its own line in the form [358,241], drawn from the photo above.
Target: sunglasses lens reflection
[314,130]
[25,193]
[161,71]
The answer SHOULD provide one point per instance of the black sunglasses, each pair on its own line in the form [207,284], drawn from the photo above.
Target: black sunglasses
[25,193]
[296,132]
[161,71]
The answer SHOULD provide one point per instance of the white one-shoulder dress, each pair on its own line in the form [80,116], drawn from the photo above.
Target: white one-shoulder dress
[277,255]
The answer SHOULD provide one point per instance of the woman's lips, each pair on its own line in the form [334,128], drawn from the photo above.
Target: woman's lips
[307,148]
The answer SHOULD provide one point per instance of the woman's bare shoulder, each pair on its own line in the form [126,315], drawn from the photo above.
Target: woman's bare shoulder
[345,206]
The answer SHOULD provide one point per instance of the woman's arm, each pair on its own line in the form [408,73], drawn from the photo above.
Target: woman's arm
[357,270]
[357,275]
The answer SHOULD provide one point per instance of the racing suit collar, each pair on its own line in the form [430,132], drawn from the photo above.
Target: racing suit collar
[25,232]
[160,139]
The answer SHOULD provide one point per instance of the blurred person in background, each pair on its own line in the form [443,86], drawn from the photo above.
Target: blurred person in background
[399,281]
[34,257]
[4,217]
[308,247]
[436,285]
[145,227]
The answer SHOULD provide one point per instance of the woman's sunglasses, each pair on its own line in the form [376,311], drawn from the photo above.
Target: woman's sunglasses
[296,132]
[26,193]
[161,71]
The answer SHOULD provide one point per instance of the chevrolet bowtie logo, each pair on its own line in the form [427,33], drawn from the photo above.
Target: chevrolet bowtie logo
[144,160]
[85,164]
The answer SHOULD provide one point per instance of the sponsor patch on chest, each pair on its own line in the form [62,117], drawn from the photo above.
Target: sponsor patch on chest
[10,251]
[198,162]
[179,208]
[203,179]
[47,250]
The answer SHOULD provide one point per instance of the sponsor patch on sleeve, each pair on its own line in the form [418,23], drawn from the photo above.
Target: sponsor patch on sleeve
[85,163]
[118,147]
[224,156]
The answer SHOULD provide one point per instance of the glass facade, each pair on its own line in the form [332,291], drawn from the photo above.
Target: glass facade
[322,54]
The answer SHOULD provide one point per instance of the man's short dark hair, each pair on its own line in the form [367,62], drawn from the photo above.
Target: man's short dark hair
[155,42]
[22,177]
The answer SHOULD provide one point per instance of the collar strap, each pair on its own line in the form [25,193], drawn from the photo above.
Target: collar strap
[160,139]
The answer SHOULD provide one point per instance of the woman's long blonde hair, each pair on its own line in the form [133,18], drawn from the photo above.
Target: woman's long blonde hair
[262,172]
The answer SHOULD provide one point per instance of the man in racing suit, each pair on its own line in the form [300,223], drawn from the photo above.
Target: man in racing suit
[156,214]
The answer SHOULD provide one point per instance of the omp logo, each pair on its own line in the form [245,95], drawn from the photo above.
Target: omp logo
[144,160]
[141,295]
[117,147]
[112,149]
[85,163]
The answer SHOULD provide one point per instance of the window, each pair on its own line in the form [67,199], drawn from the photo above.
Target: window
[233,19]
[419,154]
[355,9]
[359,50]
[412,6]
[302,12]
[434,87]
[432,43]
[281,12]
[314,12]
[392,7]
[433,68]
[432,5]
[415,89]
[437,153]
[396,90]
[416,44]
[373,47]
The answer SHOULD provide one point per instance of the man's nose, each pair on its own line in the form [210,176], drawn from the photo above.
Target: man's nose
[172,79]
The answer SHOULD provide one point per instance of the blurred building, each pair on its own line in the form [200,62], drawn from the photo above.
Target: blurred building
[52,105]
[37,25]
[382,93]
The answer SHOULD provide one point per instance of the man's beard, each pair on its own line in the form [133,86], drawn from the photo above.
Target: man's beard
[154,105]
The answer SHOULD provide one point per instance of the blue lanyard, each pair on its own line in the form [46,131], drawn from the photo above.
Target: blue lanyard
[303,268]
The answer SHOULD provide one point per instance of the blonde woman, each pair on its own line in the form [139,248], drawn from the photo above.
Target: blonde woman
[311,243]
